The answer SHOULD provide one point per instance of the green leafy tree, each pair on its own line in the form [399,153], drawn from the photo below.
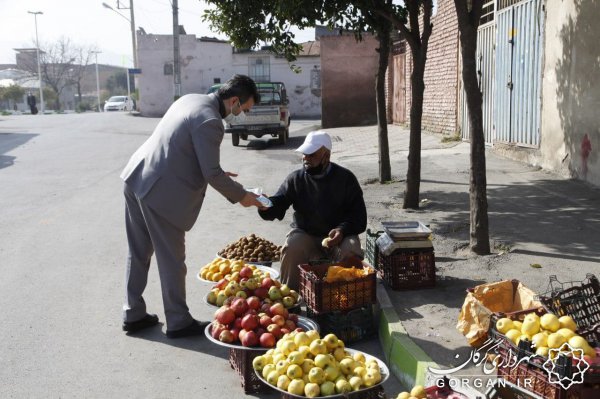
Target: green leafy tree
[469,15]
[250,23]
[12,93]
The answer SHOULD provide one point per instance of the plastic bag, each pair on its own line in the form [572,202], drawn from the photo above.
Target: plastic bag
[484,300]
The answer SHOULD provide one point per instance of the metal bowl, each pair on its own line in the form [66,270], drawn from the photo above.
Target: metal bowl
[304,322]
[385,373]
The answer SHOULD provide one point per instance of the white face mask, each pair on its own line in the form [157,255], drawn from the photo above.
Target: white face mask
[239,118]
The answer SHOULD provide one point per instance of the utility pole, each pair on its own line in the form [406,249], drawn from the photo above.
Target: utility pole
[39,68]
[97,80]
[133,41]
[176,66]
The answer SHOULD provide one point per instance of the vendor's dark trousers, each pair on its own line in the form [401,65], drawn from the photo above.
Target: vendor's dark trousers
[148,233]
[301,247]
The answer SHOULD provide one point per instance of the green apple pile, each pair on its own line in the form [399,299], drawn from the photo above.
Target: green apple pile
[267,289]
[304,364]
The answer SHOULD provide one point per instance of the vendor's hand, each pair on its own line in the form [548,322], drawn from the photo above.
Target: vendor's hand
[231,174]
[251,199]
[335,237]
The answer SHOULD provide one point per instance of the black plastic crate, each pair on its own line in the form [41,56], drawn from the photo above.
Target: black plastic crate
[371,249]
[578,299]
[350,326]
[241,361]
[406,269]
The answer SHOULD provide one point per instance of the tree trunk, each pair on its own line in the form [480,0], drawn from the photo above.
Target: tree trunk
[385,172]
[479,227]
[413,174]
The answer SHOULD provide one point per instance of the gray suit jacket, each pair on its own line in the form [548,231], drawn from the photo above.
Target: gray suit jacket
[171,170]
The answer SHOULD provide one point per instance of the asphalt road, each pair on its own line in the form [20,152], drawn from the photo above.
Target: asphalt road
[62,256]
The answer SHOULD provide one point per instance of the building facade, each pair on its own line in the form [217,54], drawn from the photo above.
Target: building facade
[206,61]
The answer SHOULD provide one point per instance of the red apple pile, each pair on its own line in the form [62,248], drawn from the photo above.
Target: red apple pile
[253,324]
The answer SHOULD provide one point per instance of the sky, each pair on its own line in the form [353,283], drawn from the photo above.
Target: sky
[87,22]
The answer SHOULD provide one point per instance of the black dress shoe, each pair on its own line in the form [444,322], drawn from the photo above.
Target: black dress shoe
[196,328]
[134,326]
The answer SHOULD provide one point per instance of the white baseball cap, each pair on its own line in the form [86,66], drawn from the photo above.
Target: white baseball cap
[315,140]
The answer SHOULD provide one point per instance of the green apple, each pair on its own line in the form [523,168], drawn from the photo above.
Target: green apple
[327,388]
[285,290]
[312,390]
[343,386]
[316,375]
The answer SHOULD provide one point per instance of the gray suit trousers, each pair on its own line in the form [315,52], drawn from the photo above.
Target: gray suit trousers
[148,233]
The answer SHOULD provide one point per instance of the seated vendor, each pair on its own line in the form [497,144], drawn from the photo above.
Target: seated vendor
[329,210]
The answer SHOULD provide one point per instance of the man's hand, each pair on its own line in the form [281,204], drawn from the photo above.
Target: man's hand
[335,237]
[250,199]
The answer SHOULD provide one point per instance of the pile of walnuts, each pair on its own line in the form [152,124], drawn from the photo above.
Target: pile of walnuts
[251,249]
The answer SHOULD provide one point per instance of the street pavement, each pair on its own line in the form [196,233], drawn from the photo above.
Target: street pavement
[63,249]
[62,258]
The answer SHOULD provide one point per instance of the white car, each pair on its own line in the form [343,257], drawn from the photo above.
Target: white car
[119,103]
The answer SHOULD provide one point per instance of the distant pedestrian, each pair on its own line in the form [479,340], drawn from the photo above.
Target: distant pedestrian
[31,101]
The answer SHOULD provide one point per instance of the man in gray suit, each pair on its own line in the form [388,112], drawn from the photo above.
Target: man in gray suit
[165,184]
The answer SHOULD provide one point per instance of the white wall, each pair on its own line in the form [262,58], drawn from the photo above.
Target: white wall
[571,89]
[202,62]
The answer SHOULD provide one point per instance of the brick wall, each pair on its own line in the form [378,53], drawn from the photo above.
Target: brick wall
[348,70]
[440,103]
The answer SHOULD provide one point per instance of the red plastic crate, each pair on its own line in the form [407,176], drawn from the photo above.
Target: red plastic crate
[324,297]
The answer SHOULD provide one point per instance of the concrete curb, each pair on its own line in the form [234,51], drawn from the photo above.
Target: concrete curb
[407,361]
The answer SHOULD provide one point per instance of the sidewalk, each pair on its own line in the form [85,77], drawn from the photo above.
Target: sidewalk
[535,217]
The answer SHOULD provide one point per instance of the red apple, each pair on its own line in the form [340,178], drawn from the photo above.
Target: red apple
[225,315]
[267,283]
[246,272]
[284,330]
[221,284]
[226,336]
[293,317]
[277,309]
[275,330]
[217,329]
[250,322]
[261,292]
[279,320]
[236,333]
[241,334]
[239,306]
[265,321]
[290,325]
[299,329]
[266,308]
[253,302]
[285,314]
[237,323]
[260,331]
[229,300]
[250,339]
[267,340]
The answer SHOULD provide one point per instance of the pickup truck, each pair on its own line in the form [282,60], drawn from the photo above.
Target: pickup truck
[270,117]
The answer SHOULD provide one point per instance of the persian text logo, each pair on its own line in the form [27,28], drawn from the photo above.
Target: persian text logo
[565,366]
[578,366]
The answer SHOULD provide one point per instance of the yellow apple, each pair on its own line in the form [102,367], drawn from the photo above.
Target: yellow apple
[312,390]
